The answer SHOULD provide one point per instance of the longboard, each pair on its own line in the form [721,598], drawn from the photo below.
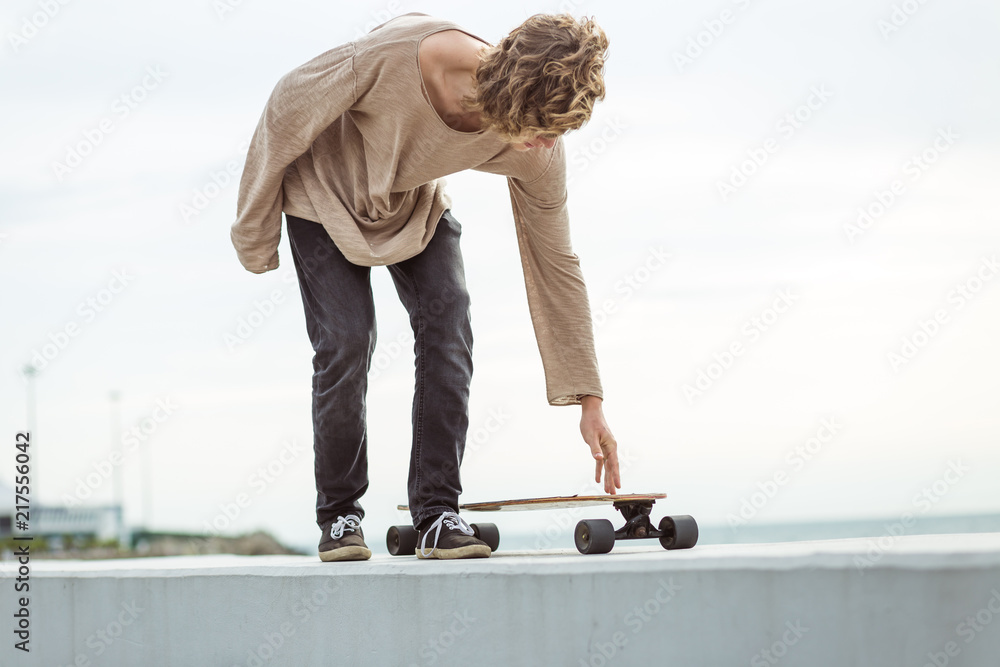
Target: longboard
[592,536]
[550,503]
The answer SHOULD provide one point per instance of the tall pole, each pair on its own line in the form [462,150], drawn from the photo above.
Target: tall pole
[147,487]
[30,372]
[116,438]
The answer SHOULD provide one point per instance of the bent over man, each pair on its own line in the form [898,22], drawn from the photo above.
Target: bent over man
[351,146]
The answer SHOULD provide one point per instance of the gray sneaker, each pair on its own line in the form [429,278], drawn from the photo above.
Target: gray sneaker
[452,538]
[343,540]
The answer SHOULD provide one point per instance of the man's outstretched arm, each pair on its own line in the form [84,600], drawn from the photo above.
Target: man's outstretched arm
[559,306]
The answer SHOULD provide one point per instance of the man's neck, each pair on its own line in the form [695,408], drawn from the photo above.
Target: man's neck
[457,78]
[458,85]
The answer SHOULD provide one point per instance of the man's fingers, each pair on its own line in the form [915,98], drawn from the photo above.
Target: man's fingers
[595,451]
[613,472]
[612,475]
[604,449]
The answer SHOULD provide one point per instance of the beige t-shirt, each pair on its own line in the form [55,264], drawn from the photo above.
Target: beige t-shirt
[350,140]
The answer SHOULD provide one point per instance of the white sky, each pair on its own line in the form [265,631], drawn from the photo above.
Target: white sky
[658,146]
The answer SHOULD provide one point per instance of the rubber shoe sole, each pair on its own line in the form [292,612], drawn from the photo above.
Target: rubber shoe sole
[345,553]
[469,551]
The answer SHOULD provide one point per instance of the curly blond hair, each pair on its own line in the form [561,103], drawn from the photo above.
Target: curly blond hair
[541,79]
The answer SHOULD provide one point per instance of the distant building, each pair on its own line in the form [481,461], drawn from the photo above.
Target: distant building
[97,521]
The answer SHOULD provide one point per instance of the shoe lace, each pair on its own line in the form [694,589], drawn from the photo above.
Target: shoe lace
[449,520]
[348,523]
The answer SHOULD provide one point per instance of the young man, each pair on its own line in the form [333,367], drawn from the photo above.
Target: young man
[351,146]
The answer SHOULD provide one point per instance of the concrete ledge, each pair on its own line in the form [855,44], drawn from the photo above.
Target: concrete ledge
[907,601]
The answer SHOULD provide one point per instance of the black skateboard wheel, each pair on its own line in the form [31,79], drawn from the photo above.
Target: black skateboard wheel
[401,540]
[679,532]
[594,536]
[487,532]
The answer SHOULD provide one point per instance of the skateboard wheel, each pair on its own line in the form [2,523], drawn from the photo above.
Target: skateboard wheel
[594,536]
[401,540]
[679,532]
[487,532]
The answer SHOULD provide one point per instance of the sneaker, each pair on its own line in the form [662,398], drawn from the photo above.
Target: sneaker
[453,538]
[343,540]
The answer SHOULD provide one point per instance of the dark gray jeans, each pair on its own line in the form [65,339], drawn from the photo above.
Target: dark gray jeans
[340,319]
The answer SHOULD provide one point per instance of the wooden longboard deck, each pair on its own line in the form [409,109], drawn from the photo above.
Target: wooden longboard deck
[552,502]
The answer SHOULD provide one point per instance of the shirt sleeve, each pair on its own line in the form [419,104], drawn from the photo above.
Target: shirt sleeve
[557,295]
[304,102]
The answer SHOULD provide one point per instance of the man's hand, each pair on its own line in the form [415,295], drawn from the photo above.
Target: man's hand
[603,447]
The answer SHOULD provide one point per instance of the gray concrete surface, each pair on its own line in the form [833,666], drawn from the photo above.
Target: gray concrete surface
[910,600]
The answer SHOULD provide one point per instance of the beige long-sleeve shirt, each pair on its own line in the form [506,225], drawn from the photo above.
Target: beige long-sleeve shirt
[350,140]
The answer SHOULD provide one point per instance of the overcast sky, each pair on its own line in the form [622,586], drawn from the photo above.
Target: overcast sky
[786,213]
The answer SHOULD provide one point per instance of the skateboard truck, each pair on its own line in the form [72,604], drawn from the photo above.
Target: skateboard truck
[598,536]
[637,524]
